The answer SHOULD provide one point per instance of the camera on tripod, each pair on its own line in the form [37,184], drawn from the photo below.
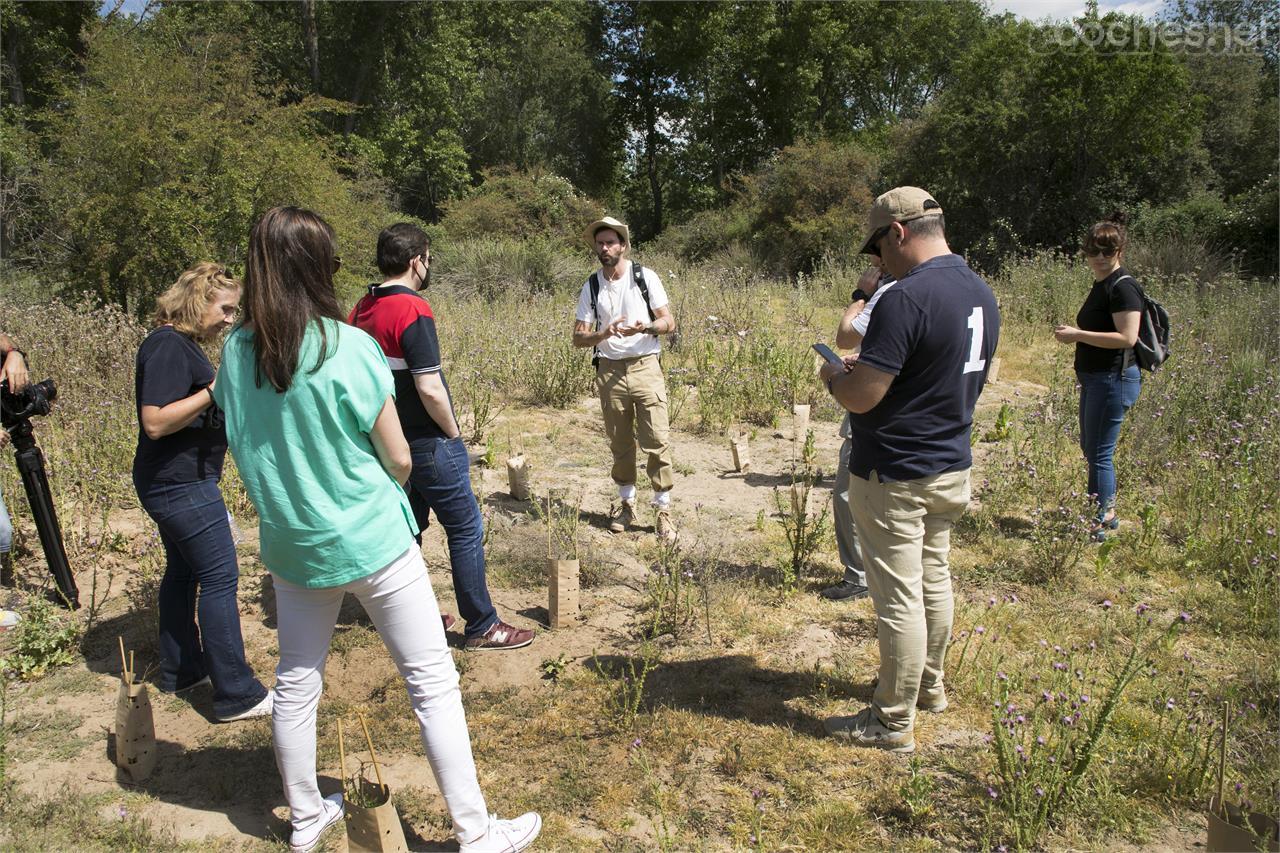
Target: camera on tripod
[16,411]
[35,399]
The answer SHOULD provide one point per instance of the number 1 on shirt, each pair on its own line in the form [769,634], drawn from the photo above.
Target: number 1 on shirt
[976,362]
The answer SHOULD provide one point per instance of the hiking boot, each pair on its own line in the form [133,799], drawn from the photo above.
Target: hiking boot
[506,836]
[500,636]
[933,701]
[845,590]
[865,729]
[262,709]
[305,840]
[664,527]
[623,517]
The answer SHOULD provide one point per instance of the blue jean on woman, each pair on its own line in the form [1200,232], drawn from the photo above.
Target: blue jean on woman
[1105,397]
[441,482]
[201,556]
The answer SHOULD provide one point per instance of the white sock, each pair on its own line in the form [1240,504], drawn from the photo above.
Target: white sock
[662,500]
[627,493]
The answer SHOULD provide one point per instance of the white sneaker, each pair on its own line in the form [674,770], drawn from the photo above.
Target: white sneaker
[262,709]
[304,840]
[506,836]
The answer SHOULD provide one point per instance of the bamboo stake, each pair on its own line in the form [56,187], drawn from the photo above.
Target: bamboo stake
[548,525]
[132,668]
[372,757]
[342,758]
[124,662]
[1222,755]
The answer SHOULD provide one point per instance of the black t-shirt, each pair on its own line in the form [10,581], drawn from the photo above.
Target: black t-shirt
[1109,296]
[171,366]
[935,331]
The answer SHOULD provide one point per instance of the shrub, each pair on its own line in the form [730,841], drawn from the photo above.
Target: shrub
[522,205]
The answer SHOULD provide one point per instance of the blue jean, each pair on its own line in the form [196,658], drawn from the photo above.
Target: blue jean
[200,557]
[441,483]
[1105,396]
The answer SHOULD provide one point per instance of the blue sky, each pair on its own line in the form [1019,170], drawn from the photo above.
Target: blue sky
[1034,10]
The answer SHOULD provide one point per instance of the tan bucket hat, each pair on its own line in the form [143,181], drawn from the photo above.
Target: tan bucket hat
[900,204]
[608,222]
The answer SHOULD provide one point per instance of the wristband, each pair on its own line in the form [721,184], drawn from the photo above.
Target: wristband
[859,296]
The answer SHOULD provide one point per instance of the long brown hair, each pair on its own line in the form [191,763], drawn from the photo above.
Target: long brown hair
[288,284]
[183,304]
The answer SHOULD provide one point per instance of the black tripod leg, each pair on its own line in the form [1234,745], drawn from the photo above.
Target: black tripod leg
[31,467]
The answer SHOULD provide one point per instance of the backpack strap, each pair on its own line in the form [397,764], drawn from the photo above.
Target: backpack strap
[593,286]
[637,276]
[1130,357]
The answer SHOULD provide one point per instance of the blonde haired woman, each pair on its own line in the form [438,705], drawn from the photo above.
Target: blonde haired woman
[176,469]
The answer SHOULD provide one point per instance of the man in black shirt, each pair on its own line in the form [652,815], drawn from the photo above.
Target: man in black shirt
[911,394]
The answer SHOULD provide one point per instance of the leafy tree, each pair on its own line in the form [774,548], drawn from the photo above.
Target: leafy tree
[1035,141]
[164,153]
[40,41]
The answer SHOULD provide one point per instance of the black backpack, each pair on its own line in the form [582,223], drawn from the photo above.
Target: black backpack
[637,278]
[1151,349]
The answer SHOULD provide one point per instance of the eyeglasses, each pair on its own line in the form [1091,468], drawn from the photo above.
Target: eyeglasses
[337,263]
[876,237]
[1097,251]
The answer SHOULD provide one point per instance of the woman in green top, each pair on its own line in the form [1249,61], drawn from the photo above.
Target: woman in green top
[312,424]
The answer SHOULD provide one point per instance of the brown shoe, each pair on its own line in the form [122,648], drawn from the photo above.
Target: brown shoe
[623,517]
[500,636]
[665,528]
[448,620]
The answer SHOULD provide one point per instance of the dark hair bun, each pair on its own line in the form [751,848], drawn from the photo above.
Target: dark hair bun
[1119,217]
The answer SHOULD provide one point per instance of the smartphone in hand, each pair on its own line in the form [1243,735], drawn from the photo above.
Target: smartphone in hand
[828,354]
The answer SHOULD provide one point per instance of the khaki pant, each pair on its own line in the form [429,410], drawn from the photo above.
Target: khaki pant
[904,529]
[633,398]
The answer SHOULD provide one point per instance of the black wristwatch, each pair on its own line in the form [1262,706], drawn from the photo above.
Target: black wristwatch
[859,296]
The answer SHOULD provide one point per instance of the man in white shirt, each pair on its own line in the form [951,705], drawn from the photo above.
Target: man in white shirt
[621,312]
[853,326]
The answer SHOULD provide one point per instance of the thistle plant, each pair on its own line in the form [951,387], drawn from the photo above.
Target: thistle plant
[1050,718]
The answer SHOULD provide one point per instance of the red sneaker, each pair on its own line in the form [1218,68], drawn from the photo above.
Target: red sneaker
[500,636]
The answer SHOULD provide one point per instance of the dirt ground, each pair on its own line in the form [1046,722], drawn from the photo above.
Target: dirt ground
[218,782]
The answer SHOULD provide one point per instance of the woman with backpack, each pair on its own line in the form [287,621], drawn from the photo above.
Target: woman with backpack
[1106,368]
[312,424]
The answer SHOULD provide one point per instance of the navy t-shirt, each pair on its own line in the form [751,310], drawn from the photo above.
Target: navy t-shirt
[171,366]
[402,323]
[1110,296]
[935,331]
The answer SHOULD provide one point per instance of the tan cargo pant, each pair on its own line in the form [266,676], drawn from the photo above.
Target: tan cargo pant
[904,529]
[633,398]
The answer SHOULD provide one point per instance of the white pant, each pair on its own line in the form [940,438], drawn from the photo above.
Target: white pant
[402,605]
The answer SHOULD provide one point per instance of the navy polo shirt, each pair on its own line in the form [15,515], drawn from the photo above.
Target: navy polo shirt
[936,331]
[170,367]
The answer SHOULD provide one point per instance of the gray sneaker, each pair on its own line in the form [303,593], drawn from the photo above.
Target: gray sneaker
[933,701]
[865,729]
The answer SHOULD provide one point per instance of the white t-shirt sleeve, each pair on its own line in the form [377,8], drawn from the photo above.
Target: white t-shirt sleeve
[657,293]
[583,312]
[863,320]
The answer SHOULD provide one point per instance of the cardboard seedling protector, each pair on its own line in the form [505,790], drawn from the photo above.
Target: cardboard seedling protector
[1230,827]
[373,824]
[518,477]
[740,447]
[800,421]
[993,372]
[562,583]
[135,725]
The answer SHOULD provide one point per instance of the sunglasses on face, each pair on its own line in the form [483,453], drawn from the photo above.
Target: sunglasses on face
[876,237]
[1096,252]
